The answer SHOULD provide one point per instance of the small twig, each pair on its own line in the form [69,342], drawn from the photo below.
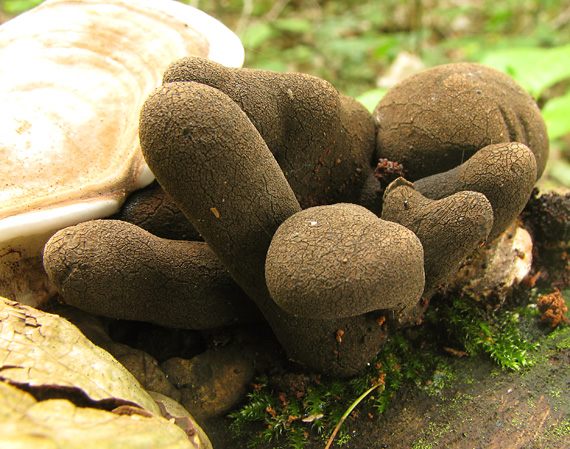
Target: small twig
[276,10]
[244,16]
[349,411]
[562,19]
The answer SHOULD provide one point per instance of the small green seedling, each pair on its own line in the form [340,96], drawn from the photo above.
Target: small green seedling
[350,409]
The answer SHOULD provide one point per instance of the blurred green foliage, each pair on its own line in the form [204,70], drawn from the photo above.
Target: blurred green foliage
[14,7]
[352,43]
[536,69]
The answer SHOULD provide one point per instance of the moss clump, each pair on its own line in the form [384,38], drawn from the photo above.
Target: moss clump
[483,332]
[295,417]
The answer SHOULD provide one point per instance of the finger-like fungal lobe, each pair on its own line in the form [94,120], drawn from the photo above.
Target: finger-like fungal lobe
[437,119]
[505,173]
[341,260]
[323,141]
[154,211]
[316,344]
[116,269]
[449,229]
[214,164]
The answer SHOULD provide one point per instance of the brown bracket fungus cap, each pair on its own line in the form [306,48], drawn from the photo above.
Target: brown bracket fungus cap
[116,269]
[437,119]
[341,260]
[449,229]
[323,141]
[505,173]
[214,164]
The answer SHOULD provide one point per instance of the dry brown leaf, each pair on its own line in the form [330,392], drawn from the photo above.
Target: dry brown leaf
[44,350]
[173,410]
[26,423]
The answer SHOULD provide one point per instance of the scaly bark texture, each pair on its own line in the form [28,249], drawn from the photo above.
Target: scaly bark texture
[342,260]
[505,173]
[322,140]
[449,229]
[154,211]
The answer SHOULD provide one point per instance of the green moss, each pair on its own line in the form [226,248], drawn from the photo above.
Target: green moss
[493,333]
[561,430]
[433,433]
[414,359]
[290,420]
[276,415]
[561,337]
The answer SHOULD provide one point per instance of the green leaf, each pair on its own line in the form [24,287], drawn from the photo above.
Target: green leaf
[257,34]
[294,25]
[556,113]
[535,69]
[14,7]
[371,98]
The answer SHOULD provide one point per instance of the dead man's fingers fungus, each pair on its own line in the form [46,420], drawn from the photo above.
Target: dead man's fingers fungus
[116,269]
[439,118]
[450,229]
[154,211]
[212,161]
[505,173]
[341,260]
[323,141]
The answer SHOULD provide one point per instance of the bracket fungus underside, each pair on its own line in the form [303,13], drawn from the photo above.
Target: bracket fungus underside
[273,172]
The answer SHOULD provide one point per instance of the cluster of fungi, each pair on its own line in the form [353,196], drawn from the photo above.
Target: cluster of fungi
[272,203]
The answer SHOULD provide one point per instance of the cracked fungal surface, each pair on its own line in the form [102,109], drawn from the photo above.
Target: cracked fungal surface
[116,269]
[264,164]
[213,163]
[437,119]
[505,173]
[211,160]
[323,141]
[450,229]
[154,211]
[341,260]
